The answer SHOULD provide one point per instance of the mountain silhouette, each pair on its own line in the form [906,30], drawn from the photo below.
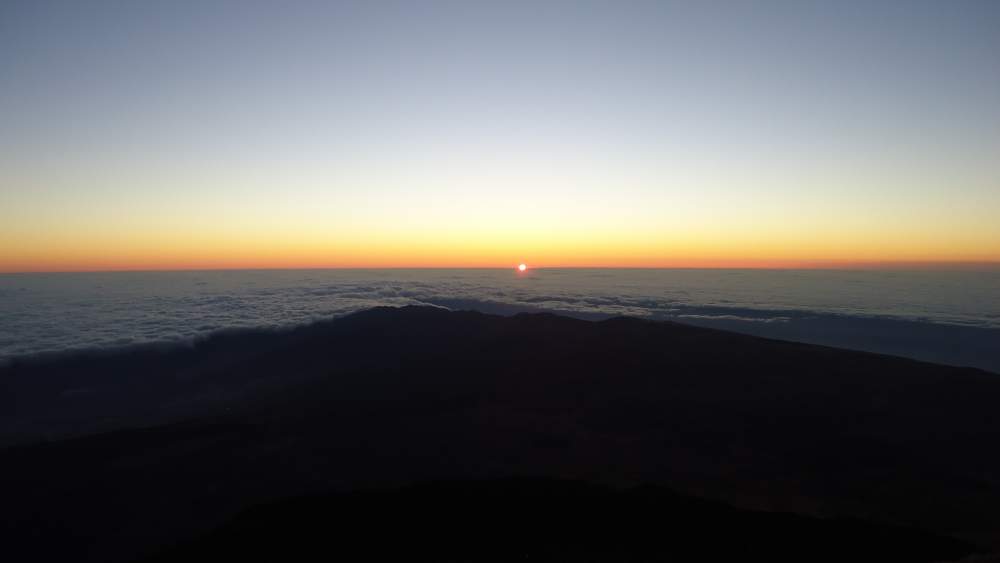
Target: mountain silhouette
[544,520]
[117,454]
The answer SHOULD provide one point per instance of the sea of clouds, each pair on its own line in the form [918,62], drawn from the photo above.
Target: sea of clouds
[57,312]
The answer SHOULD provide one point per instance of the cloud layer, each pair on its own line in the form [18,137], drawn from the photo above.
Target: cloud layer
[54,312]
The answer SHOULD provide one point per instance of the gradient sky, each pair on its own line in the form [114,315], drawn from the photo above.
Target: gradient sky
[149,135]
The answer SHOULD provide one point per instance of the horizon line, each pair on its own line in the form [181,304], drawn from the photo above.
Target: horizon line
[846,266]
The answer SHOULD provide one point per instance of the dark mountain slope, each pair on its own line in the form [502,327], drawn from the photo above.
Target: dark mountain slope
[544,521]
[395,396]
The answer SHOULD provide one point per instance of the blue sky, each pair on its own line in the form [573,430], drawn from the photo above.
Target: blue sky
[668,128]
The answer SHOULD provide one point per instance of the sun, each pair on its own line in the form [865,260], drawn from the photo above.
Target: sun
[522,267]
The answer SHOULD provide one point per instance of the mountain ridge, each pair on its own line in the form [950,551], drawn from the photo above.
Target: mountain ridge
[391,397]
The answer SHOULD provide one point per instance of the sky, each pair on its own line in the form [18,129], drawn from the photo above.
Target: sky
[187,135]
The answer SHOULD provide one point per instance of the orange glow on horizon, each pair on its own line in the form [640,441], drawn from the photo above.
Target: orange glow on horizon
[94,264]
[551,247]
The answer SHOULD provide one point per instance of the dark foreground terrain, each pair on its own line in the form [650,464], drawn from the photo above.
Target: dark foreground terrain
[117,455]
[544,520]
